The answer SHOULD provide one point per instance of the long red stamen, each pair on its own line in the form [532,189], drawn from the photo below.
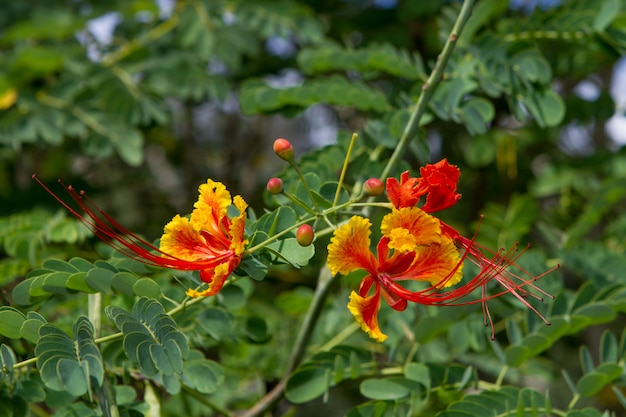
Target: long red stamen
[501,266]
[122,239]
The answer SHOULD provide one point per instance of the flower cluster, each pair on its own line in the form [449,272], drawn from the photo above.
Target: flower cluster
[418,257]
[416,246]
[208,241]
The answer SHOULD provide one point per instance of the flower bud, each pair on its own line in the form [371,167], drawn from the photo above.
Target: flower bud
[373,187]
[284,150]
[275,186]
[305,235]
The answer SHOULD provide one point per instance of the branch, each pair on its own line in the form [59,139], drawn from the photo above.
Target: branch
[429,87]
[324,285]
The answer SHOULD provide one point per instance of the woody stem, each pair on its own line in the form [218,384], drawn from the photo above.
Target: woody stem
[324,285]
[429,88]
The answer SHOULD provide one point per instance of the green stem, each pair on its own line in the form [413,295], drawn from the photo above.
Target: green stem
[324,284]
[429,88]
[503,372]
[153,34]
[298,202]
[94,312]
[205,401]
[341,336]
[304,184]
[344,169]
[324,213]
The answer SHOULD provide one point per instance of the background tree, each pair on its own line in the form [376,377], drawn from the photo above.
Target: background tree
[138,102]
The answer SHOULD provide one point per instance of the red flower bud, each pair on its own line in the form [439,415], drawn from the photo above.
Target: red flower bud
[284,150]
[373,187]
[275,186]
[305,235]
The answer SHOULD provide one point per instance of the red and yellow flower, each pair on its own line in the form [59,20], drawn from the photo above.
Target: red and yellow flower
[416,246]
[208,241]
[437,181]
[412,248]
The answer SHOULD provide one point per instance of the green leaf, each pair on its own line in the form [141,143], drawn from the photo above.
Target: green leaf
[590,384]
[56,283]
[7,360]
[124,282]
[203,375]
[215,322]
[100,279]
[370,409]
[256,330]
[59,266]
[64,366]
[258,97]
[307,383]
[476,114]
[11,321]
[517,355]
[31,390]
[30,327]
[289,250]
[295,302]
[392,388]
[21,293]
[607,12]
[277,221]
[418,372]
[253,267]
[372,58]
[596,312]
[608,347]
[151,337]
[547,108]
[146,287]
[78,282]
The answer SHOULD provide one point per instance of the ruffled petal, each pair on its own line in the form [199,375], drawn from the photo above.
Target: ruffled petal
[365,311]
[349,248]
[440,264]
[403,193]
[181,240]
[211,207]
[440,180]
[215,278]
[237,227]
[418,228]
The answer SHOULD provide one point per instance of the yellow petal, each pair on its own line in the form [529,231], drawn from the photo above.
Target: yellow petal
[420,228]
[439,264]
[365,311]
[181,240]
[211,206]
[401,240]
[220,274]
[237,227]
[349,248]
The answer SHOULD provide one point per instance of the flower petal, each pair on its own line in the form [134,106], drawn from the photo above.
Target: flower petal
[237,227]
[215,277]
[211,207]
[417,228]
[181,240]
[349,248]
[403,193]
[365,311]
[439,263]
[440,181]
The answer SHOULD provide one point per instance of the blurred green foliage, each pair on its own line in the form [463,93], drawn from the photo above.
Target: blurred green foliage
[139,101]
